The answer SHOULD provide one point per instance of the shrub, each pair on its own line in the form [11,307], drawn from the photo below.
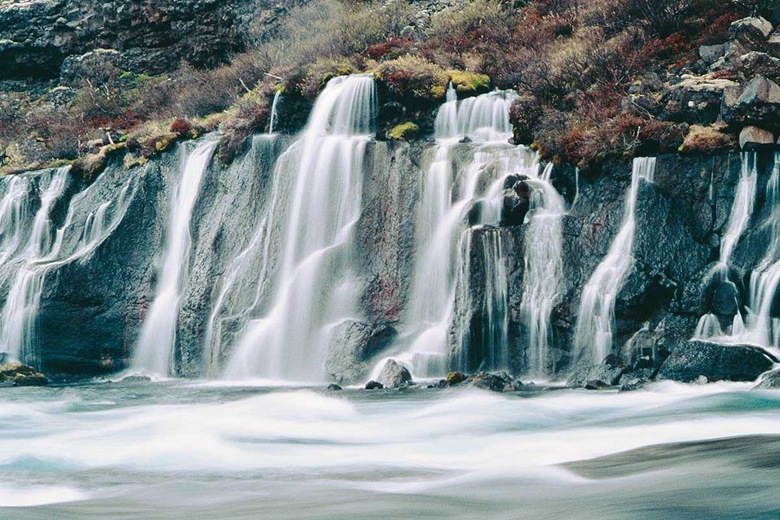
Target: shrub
[413,78]
[404,131]
[708,139]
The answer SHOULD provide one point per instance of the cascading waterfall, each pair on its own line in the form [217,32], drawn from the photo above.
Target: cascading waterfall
[13,210]
[320,177]
[157,340]
[447,197]
[19,315]
[593,336]
[274,115]
[543,275]
[741,211]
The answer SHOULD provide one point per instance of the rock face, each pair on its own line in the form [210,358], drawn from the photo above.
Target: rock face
[151,37]
[716,362]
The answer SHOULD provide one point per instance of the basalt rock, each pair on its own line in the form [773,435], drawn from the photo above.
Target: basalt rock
[516,200]
[716,362]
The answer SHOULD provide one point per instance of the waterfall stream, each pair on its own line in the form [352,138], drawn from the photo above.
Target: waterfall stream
[593,336]
[157,341]
[316,203]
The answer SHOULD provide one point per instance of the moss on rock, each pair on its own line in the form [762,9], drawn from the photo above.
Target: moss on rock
[469,83]
[404,131]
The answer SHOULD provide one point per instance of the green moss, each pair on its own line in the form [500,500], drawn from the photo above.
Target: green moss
[469,82]
[404,131]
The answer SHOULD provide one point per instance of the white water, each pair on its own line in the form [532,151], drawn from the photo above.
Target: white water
[274,115]
[13,209]
[543,274]
[18,328]
[593,337]
[709,327]
[157,341]
[178,450]
[447,197]
[316,203]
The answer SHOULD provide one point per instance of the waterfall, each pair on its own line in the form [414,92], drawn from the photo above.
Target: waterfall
[13,209]
[157,341]
[449,194]
[46,251]
[274,115]
[758,327]
[593,335]
[741,209]
[543,274]
[318,184]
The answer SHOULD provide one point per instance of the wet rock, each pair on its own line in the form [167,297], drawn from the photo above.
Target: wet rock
[635,380]
[725,299]
[333,387]
[488,381]
[753,136]
[769,380]
[516,200]
[374,385]
[596,376]
[454,378]
[18,374]
[692,359]
[394,375]
[352,348]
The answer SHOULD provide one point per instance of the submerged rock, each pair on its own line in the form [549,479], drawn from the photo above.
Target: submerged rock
[18,374]
[769,380]
[454,378]
[593,377]
[333,387]
[394,375]
[374,385]
[716,362]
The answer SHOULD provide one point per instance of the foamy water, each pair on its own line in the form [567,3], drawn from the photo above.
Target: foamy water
[175,449]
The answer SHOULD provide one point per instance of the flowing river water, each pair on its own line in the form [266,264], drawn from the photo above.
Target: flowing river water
[184,449]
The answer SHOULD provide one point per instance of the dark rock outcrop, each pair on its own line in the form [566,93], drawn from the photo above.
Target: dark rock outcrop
[716,362]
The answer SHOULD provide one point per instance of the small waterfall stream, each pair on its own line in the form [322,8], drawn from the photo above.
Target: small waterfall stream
[316,203]
[593,336]
[543,275]
[709,326]
[157,341]
[14,206]
[18,334]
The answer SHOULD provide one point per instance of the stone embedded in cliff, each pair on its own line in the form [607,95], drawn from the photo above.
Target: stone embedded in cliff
[752,136]
[18,374]
[758,103]
[761,64]
[750,31]
[395,375]
[352,346]
[725,299]
[695,99]
[516,200]
[716,362]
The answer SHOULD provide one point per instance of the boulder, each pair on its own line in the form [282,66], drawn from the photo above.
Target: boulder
[454,378]
[516,200]
[712,53]
[716,362]
[352,348]
[695,99]
[752,136]
[395,375]
[725,299]
[488,381]
[595,376]
[757,104]
[17,374]
[750,31]
[761,64]
[374,385]
[769,380]
[333,387]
